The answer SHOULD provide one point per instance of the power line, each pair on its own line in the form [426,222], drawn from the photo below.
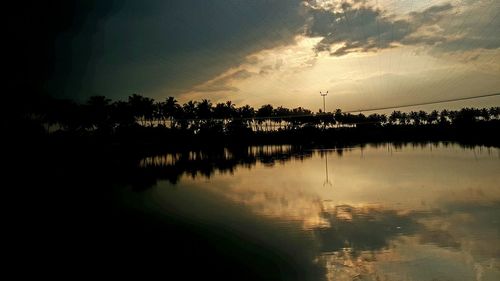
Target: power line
[424,103]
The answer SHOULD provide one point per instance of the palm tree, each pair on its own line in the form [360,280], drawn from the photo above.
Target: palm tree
[422,117]
[282,114]
[171,109]
[466,117]
[338,116]
[225,110]
[204,109]
[187,114]
[98,112]
[189,109]
[122,114]
[395,117]
[231,109]
[159,113]
[302,116]
[485,114]
[142,108]
[452,115]
[376,119]
[404,118]
[443,116]
[247,113]
[413,116]
[264,113]
[433,117]
[494,112]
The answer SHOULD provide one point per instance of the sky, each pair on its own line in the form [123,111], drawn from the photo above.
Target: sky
[365,53]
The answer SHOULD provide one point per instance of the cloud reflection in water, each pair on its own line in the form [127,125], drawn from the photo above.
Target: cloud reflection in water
[394,213]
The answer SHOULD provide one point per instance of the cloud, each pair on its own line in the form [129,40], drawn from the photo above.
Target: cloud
[430,15]
[358,27]
[474,29]
[278,64]
[266,69]
[162,48]
[223,82]
[260,73]
[355,29]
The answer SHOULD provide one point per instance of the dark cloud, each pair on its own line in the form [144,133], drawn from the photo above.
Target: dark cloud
[426,39]
[365,28]
[430,15]
[165,47]
[480,34]
[474,28]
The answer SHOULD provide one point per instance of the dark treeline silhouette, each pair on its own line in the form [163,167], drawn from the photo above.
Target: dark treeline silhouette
[143,120]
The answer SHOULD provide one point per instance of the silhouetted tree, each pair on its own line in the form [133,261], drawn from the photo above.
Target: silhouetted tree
[494,112]
[465,117]
[188,114]
[443,117]
[395,117]
[422,117]
[204,109]
[142,108]
[225,110]
[264,113]
[433,117]
[171,110]
[484,114]
[99,113]
[122,115]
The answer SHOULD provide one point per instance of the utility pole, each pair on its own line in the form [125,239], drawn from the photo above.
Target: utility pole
[324,95]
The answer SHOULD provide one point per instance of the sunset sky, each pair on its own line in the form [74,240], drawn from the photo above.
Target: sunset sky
[366,53]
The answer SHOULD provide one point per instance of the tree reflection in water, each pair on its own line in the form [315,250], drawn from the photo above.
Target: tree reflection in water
[382,241]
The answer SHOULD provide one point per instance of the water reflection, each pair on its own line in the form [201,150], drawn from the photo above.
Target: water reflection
[206,163]
[395,211]
[327,180]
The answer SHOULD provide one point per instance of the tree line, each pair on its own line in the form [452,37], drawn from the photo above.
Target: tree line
[99,113]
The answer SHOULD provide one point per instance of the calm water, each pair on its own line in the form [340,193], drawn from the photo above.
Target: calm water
[386,212]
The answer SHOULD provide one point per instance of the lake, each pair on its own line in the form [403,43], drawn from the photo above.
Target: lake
[374,212]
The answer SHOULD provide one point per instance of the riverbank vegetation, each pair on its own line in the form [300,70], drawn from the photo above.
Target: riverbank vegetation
[144,121]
